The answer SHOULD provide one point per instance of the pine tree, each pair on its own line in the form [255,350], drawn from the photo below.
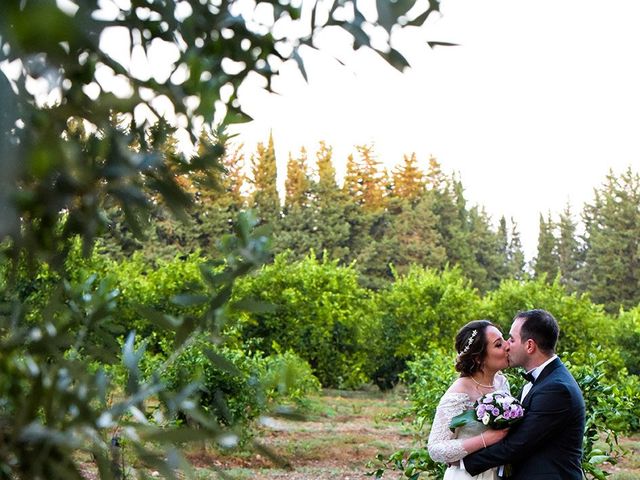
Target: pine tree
[297,184]
[408,180]
[612,242]
[330,207]
[404,235]
[365,181]
[449,206]
[265,198]
[546,261]
[435,178]
[352,185]
[219,197]
[298,225]
[327,185]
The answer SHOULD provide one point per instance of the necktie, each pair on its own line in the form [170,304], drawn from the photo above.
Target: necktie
[528,377]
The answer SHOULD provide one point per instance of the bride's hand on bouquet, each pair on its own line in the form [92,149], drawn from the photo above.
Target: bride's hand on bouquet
[494,436]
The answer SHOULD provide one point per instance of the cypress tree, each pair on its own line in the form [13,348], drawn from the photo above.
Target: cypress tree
[546,260]
[503,248]
[352,185]
[217,206]
[515,255]
[487,247]
[568,249]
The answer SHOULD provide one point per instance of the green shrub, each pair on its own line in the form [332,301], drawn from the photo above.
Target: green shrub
[428,377]
[288,377]
[235,386]
[142,285]
[583,324]
[422,310]
[228,381]
[611,409]
[319,311]
[627,336]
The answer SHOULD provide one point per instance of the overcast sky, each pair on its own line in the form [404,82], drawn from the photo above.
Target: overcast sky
[532,109]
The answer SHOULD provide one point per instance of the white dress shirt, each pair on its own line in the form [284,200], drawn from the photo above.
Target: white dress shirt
[535,373]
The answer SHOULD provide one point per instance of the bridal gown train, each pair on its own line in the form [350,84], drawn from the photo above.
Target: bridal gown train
[446,446]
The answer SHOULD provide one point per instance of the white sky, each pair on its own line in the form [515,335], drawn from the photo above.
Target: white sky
[537,104]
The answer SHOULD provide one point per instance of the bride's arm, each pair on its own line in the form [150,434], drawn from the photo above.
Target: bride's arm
[443,446]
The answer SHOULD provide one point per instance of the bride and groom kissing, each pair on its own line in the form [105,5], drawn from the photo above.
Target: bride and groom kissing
[547,442]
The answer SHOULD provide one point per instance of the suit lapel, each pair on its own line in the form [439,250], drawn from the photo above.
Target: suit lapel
[547,370]
[556,363]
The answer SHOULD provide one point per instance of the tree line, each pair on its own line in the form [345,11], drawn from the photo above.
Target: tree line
[416,214]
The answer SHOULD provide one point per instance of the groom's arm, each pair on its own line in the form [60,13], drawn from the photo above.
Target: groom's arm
[549,409]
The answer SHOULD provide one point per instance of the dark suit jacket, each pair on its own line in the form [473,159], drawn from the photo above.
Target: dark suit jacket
[547,443]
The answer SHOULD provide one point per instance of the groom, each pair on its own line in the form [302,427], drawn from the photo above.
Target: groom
[547,443]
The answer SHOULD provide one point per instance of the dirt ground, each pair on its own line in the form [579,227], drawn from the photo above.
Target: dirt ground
[337,440]
[342,432]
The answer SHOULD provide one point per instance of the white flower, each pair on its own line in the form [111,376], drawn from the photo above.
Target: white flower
[486,418]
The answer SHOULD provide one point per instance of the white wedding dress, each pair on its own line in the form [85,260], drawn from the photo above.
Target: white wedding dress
[446,446]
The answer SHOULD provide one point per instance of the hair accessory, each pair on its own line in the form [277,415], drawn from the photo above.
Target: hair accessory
[467,346]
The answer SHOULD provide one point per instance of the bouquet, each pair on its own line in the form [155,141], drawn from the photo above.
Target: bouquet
[497,410]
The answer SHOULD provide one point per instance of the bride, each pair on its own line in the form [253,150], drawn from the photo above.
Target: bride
[482,353]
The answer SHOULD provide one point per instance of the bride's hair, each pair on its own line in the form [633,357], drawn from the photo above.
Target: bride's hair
[471,345]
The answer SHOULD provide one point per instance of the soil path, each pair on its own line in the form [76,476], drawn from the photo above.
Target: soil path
[342,434]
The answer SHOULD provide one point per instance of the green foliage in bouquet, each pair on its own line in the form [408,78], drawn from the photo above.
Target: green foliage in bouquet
[318,310]
[497,410]
[420,311]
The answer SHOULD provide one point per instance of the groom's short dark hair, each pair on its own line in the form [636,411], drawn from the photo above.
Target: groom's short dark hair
[541,327]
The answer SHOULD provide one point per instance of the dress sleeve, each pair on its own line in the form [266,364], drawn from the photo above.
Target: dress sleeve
[443,446]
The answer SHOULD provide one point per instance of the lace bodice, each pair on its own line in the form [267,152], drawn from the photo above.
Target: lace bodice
[443,444]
